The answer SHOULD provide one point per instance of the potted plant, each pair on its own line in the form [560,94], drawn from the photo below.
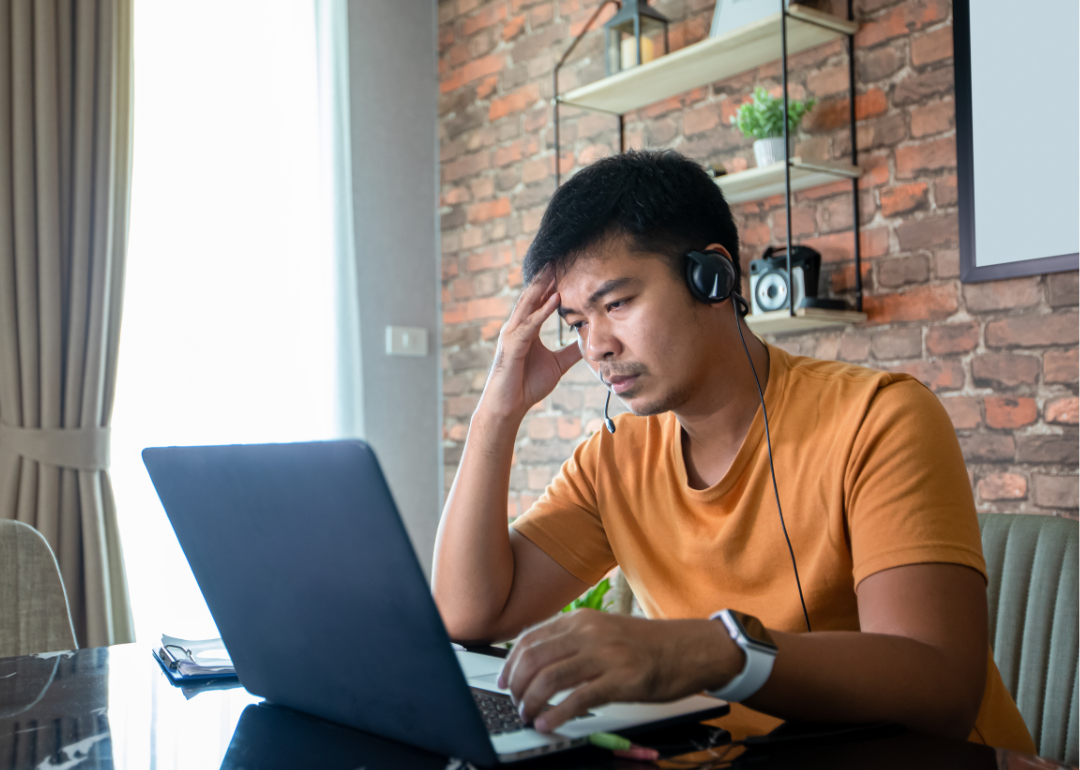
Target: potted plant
[763,119]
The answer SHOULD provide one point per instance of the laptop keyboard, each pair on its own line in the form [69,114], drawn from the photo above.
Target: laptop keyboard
[500,714]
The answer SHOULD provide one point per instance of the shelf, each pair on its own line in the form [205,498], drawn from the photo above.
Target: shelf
[805,319]
[758,183]
[712,59]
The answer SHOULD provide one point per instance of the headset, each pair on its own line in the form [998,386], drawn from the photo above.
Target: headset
[710,276]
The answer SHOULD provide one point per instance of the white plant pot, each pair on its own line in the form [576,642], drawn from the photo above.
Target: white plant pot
[769,151]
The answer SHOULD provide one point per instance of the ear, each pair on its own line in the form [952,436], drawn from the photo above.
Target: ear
[718,247]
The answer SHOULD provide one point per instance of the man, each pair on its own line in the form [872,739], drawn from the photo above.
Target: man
[873,488]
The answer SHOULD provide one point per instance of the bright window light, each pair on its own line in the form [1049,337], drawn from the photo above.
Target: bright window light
[229,309]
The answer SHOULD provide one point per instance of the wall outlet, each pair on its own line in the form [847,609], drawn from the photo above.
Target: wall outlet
[406,341]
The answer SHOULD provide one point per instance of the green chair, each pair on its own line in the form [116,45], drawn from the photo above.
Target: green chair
[1032,596]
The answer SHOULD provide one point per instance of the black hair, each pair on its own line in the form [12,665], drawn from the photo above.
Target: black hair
[662,201]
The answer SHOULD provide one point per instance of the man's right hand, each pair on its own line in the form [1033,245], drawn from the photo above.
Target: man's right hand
[525,370]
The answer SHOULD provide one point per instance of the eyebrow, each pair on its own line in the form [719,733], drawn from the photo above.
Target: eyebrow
[605,288]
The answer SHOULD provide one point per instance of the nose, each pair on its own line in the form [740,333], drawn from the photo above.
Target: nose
[601,342]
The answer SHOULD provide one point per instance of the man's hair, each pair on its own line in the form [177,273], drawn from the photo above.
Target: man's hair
[661,202]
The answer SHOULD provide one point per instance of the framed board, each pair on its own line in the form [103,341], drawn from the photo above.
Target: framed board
[1017,137]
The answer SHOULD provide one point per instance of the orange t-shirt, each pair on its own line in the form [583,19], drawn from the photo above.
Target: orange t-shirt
[870,476]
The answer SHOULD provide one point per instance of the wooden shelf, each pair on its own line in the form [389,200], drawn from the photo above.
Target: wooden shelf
[757,183]
[712,59]
[805,319]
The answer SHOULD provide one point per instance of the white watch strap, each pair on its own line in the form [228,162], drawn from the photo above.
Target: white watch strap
[753,676]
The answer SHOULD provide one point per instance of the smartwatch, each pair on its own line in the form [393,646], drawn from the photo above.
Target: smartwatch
[749,633]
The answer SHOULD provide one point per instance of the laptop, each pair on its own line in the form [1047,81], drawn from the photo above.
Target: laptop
[307,569]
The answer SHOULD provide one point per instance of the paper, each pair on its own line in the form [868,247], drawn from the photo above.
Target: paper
[198,657]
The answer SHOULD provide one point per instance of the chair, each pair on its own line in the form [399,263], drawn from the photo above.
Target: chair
[1032,598]
[34,614]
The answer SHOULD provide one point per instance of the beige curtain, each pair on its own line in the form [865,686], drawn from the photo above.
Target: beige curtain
[65,170]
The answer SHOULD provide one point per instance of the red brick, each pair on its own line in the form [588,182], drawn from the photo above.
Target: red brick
[900,271]
[482,212]
[826,82]
[491,14]
[925,157]
[947,263]
[871,103]
[952,338]
[1057,492]
[701,119]
[802,224]
[1064,288]
[1033,330]
[1061,366]
[513,27]
[1052,449]
[1063,410]
[839,247]
[963,411]
[489,307]
[920,88]
[931,47]
[854,346]
[902,20]
[491,330]
[1003,486]
[926,303]
[875,171]
[466,166]
[931,233]
[473,70]
[933,118]
[907,197]
[945,191]
[1006,412]
[901,342]
[569,427]
[455,195]
[516,102]
[936,375]
[1003,370]
[541,15]
[461,406]
[541,428]
[579,24]
[483,187]
[1007,294]
[988,447]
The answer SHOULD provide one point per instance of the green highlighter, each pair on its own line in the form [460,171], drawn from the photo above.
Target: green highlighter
[610,741]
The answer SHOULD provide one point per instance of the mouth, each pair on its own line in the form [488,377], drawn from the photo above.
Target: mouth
[621,384]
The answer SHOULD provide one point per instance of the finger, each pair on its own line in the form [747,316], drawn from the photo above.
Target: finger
[537,658]
[562,675]
[588,696]
[531,324]
[568,356]
[525,650]
[534,295]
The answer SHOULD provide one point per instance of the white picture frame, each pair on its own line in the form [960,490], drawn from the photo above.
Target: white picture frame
[732,14]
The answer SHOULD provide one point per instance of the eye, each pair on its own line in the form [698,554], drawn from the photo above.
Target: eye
[576,326]
[616,304]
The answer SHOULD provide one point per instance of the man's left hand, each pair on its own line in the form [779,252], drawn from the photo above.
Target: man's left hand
[608,658]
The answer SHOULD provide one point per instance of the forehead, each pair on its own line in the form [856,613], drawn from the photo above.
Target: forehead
[610,261]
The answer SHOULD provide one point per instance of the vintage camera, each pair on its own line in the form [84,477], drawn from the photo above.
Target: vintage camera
[769,289]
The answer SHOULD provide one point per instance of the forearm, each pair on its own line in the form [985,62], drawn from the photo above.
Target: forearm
[850,676]
[473,569]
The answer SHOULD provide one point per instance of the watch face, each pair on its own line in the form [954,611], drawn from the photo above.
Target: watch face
[753,629]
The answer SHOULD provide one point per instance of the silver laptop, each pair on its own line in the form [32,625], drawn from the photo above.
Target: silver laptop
[308,571]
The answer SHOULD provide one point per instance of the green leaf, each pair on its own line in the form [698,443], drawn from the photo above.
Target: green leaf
[593,599]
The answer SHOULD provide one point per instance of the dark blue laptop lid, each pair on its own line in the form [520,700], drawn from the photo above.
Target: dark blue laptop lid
[308,571]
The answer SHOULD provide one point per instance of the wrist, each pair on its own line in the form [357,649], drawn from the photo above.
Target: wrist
[724,659]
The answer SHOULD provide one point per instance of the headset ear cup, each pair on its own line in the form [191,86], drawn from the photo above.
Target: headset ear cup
[710,276]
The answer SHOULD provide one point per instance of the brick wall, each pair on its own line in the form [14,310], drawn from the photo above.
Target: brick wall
[1002,356]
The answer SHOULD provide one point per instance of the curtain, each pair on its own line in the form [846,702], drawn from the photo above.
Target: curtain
[65,170]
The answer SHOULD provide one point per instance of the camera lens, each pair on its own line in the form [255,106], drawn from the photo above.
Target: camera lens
[771,292]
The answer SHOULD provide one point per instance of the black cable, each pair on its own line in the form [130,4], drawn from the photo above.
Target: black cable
[768,443]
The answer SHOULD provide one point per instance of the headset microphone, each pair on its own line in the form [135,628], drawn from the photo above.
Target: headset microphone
[610,423]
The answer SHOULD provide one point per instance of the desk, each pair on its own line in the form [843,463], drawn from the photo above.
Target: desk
[112,707]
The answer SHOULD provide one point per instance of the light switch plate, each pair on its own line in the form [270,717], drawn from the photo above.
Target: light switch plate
[406,341]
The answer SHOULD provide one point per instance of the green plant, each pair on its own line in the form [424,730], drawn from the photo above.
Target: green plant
[763,117]
[593,599]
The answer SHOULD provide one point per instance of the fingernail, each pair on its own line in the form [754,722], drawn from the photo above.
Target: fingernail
[521,712]
[540,724]
[501,683]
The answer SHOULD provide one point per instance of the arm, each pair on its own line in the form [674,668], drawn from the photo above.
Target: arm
[920,658]
[490,583]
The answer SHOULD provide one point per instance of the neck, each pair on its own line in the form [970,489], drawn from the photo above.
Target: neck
[717,418]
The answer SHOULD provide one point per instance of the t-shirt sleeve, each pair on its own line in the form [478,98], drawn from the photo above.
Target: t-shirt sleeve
[908,496]
[565,522]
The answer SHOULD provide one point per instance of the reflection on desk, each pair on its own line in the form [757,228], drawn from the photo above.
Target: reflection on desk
[113,708]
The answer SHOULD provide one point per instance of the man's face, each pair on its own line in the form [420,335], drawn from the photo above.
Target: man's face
[637,324]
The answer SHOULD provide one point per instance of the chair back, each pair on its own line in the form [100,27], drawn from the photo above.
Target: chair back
[34,614]
[1032,597]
